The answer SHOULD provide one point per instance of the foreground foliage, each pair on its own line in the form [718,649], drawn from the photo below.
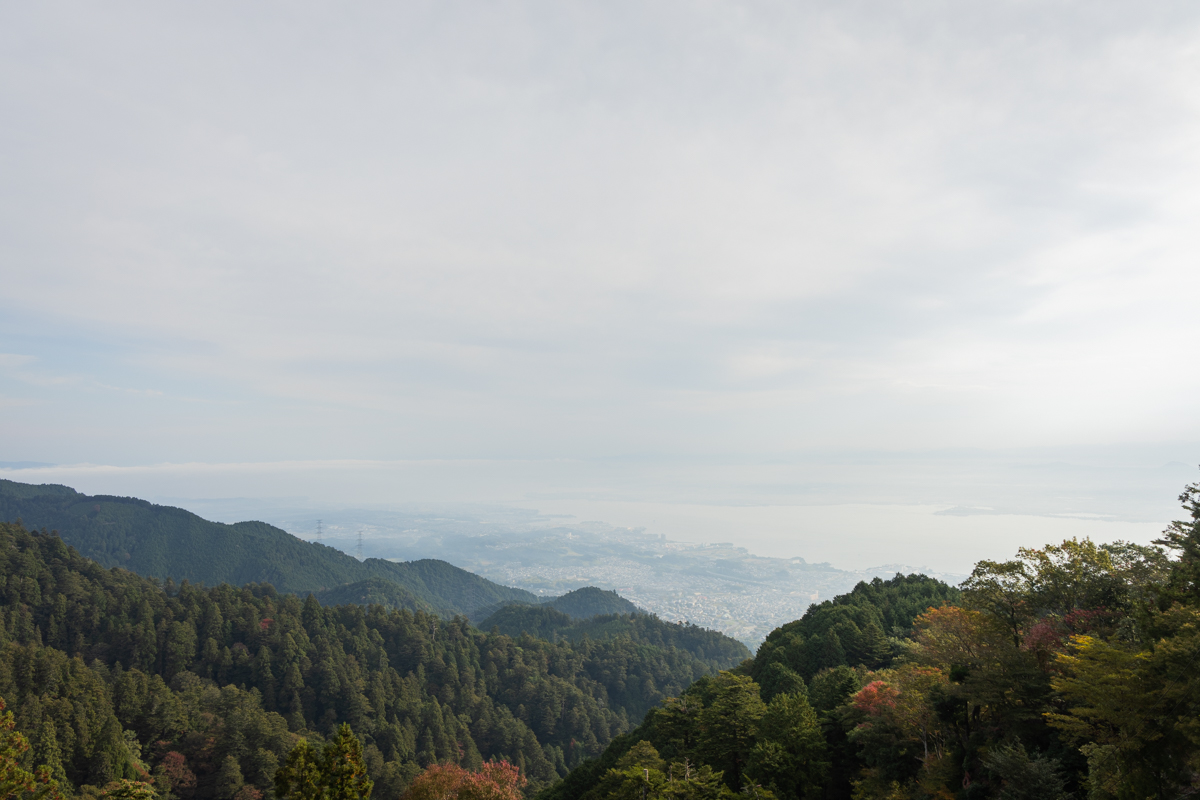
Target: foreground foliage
[1070,671]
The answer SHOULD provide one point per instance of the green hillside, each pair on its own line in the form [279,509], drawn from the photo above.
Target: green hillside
[167,542]
[372,591]
[590,602]
[862,626]
[713,648]
[112,675]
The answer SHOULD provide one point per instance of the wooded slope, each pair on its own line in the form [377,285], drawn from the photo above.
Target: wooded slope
[90,654]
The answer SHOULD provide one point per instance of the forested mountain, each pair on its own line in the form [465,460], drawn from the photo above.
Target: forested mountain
[578,604]
[864,626]
[1067,672]
[166,542]
[114,675]
[592,602]
[544,622]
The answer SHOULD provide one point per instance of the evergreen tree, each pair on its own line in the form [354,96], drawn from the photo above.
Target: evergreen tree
[229,778]
[336,773]
[47,751]
[778,679]
[1023,777]
[789,752]
[343,767]
[729,725]
[301,776]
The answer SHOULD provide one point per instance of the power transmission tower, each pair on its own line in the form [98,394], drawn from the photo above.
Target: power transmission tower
[360,557]
[318,539]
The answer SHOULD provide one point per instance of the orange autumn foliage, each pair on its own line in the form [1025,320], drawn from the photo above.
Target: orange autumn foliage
[875,698]
[496,780]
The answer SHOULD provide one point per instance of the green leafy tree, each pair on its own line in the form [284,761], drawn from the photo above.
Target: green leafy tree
[832,687]
[301,777]
[229,778]
[777,679]
[688,782]
[1134,711]
[640,774]
[48,751]
[1001,588]
[1183,539]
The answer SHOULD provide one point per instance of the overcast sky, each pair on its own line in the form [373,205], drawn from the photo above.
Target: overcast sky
[602,233]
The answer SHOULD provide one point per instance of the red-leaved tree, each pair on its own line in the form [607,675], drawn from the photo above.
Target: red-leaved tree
[495,780]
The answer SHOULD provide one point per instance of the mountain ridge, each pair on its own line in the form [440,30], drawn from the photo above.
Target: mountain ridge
[170,542]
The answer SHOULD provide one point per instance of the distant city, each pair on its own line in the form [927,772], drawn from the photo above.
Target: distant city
[717,586]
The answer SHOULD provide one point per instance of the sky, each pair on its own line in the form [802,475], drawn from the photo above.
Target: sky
[645,262]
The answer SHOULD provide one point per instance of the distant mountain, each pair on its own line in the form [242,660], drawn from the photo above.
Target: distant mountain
[714,649]
[167,542]
[582,603]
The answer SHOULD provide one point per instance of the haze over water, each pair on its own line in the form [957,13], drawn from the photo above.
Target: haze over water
[861,515]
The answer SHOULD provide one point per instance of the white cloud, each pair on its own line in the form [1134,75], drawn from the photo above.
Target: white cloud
[603,229]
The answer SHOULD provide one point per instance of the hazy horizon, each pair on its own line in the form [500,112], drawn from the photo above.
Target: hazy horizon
[944,514]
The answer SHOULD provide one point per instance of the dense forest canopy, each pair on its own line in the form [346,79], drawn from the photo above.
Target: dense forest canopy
[1070,671]
[113,676]
[592,602]
[865,626]
[544,622]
